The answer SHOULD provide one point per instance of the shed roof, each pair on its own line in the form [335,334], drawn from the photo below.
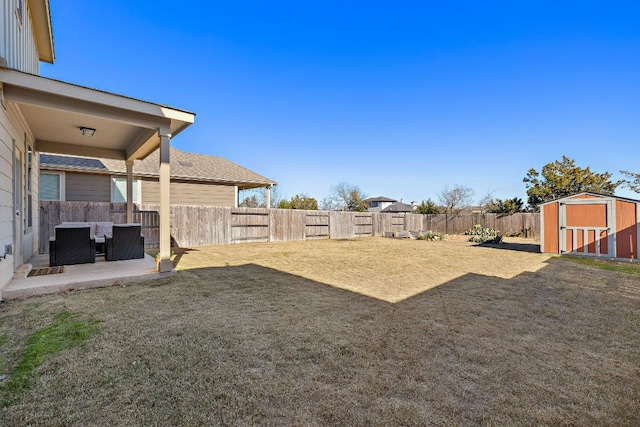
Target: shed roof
[184,165]
[588,193]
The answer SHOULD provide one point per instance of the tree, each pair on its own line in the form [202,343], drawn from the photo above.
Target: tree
[633,182]
[563,178]
[250,202]
[346,197]
[257,197]
[427,207]
[456,199]
[508,206]
[301,201]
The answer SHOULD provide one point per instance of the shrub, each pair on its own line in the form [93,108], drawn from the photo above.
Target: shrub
[480,234]
[429,235]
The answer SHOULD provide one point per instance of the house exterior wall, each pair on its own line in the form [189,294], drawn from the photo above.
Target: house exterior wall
[18,51]
[17,39]
[92,187]
[6,196]
[379,206]
[15,135]
[85,187]
[190,193]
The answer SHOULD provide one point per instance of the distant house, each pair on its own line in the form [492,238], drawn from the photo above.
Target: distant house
[387,205]
[377,204]
[196,179]
[398,207]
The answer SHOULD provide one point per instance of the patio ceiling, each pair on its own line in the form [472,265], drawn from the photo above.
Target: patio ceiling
[126,128]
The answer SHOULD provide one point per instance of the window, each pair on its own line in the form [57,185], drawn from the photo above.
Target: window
[51,186]
[119,190]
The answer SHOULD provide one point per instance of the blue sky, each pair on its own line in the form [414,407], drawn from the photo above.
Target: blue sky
[400,98]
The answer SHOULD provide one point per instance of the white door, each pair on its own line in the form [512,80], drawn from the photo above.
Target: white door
[18,208]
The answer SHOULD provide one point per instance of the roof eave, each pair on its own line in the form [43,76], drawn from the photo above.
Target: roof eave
[240,183]
[66,168]
[245,184]
[42,27]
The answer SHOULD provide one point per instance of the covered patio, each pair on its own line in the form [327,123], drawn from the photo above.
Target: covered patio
[80,276]
[64,118]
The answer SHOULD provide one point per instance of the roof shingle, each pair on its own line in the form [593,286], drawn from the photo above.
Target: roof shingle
[184,165]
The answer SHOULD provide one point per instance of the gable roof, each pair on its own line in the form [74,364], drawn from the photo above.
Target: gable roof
[184,166]
[588,193]
[398,207]
[379,199]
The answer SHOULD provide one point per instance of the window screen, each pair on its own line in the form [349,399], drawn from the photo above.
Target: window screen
[119,190]
[49,186]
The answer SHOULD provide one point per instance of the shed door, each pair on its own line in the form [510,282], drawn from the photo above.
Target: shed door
[586,227]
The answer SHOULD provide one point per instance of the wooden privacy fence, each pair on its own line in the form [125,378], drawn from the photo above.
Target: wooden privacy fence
[207,225]
[53,213]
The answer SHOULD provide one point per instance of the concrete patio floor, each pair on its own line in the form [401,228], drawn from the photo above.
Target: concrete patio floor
[81,276]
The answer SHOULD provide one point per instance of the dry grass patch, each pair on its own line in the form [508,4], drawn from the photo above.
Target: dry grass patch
[251,334]
[387,269]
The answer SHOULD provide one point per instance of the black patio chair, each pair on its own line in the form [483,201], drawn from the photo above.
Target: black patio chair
[72,245]
[126,243]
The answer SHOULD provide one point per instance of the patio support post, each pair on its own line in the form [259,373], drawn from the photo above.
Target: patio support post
[165,264]
[267,198]
[129,164]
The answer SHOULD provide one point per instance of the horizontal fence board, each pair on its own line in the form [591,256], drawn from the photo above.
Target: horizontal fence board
[317,231]
[316,225]
[209,225]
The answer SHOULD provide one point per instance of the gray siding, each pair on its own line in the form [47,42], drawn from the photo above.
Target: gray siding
[85,187]
[189,193]
[12,129]
[17,42]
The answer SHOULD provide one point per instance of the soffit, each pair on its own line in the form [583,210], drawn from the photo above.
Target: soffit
[41,18]
[126,128]
[55,125]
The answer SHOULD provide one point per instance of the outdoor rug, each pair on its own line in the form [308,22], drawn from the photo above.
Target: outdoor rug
[45,271]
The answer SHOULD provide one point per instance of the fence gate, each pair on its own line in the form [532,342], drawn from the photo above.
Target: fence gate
[586,227]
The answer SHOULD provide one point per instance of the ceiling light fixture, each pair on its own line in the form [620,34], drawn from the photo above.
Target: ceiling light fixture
[87,131]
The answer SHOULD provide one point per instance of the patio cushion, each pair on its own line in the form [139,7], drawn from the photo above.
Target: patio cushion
[99,229]
[104,229]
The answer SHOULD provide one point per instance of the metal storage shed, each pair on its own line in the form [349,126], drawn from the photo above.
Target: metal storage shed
[591,224]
